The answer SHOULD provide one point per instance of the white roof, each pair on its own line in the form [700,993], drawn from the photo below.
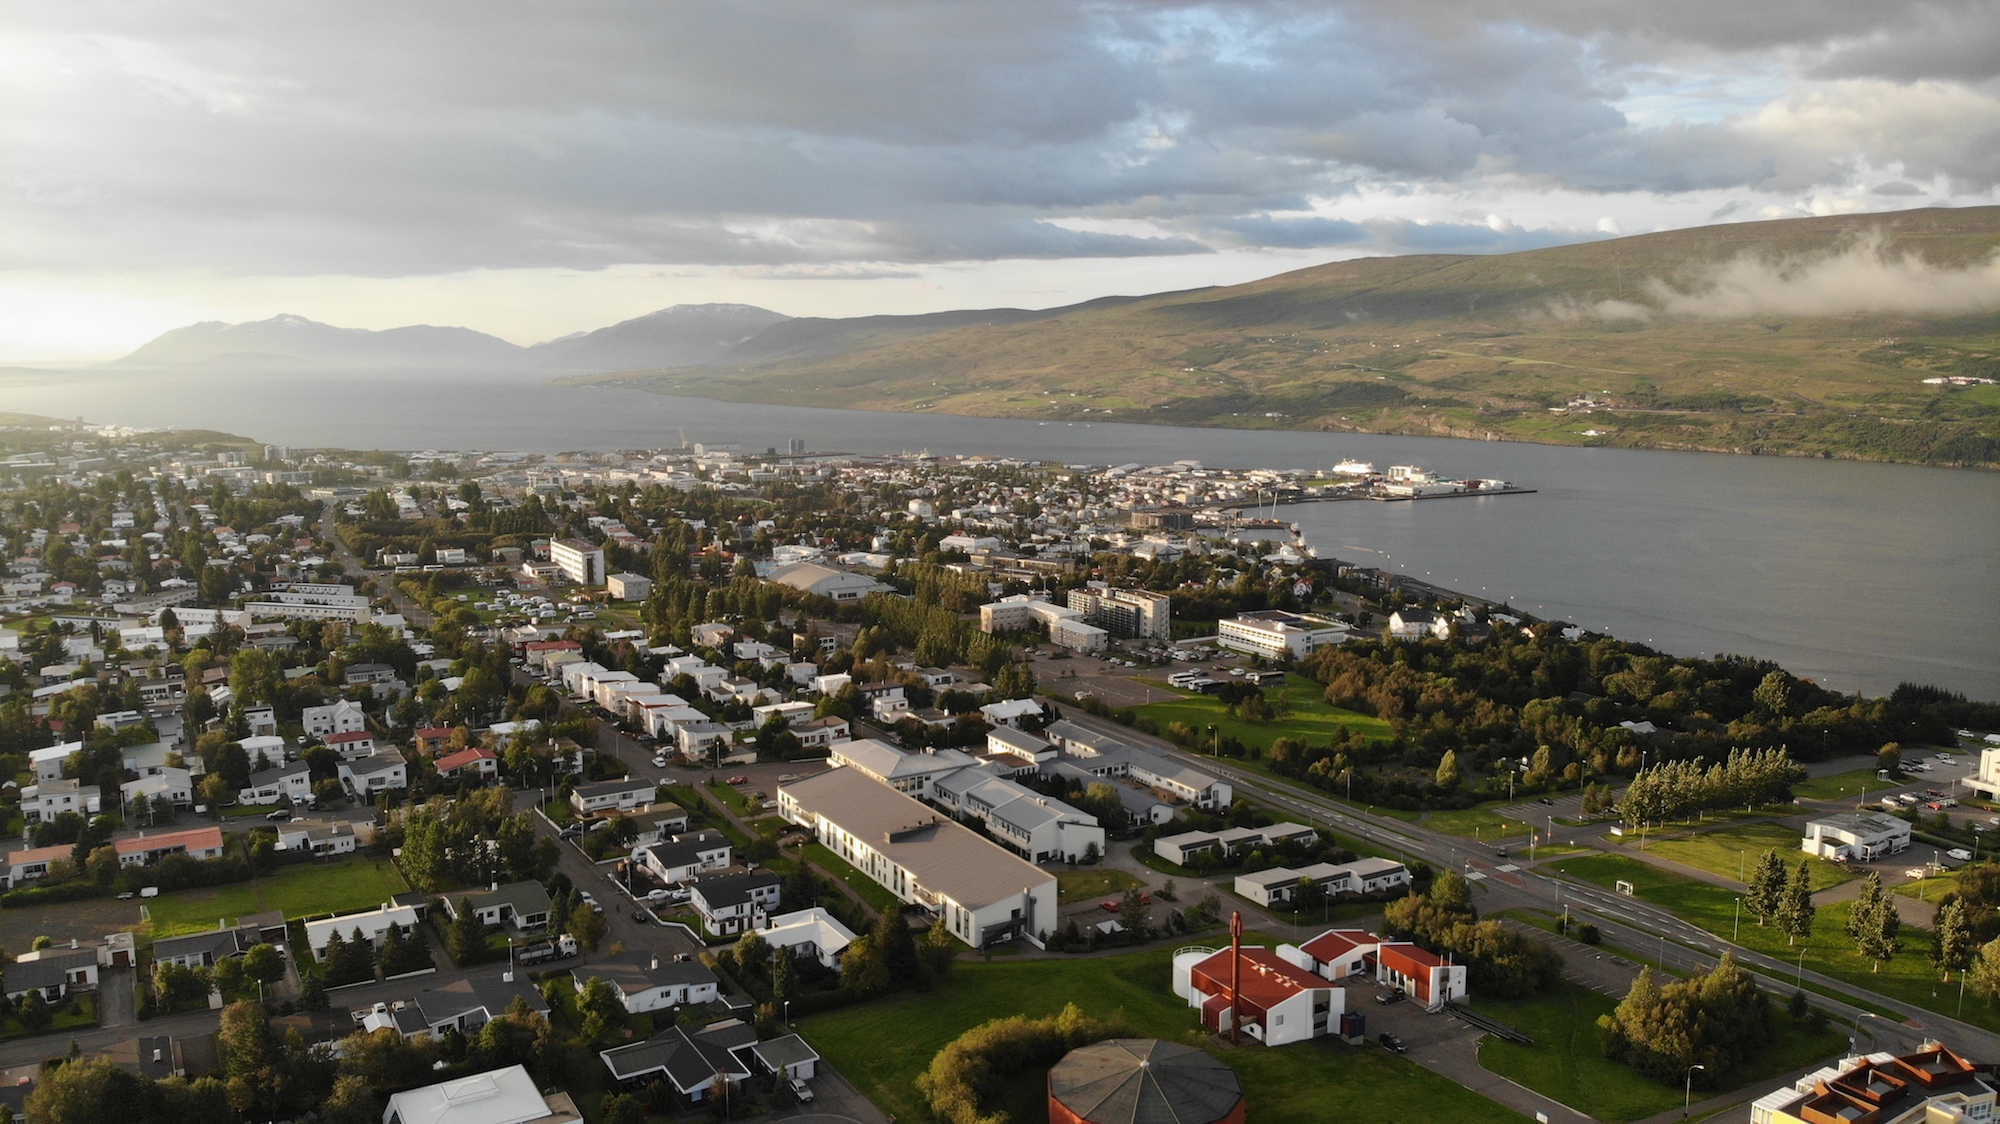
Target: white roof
[502,1096]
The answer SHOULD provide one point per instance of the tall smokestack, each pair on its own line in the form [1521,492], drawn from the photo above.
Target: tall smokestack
[1235,977]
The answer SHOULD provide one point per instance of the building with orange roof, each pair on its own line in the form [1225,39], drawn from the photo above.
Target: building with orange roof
[1932,1084]
[1426,976]
[1277,1002]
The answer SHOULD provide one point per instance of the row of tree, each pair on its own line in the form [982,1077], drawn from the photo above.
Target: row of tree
[1677,789]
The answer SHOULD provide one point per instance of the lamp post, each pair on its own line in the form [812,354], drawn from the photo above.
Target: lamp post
[1800,983]
[1736,921]
[1687,1094]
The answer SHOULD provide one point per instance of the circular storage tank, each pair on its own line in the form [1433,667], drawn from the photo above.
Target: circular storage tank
[1143,1081]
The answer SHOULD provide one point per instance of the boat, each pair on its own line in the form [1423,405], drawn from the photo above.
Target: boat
[1354,468]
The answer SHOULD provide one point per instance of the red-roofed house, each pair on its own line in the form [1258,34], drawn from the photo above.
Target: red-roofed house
[1424,975]
[1280,1003]
[432,739]
[475,762]
[1335,954]
[352,744]
[145,850]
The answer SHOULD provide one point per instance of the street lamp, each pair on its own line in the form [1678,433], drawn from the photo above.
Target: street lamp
[1687,1094]
[1736,921]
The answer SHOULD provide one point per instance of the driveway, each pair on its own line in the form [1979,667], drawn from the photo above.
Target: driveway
[117,998]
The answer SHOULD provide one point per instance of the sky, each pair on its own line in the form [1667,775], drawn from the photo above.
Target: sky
[536,169]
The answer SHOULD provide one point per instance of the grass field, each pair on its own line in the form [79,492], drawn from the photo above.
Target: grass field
[1311,719]
[1566,1063]
[86,1015]
[1840,786]
[874,893]
[1483,823]
[1734,851]
[1089,885]
[883,1046]
[1909,977]
[307,889]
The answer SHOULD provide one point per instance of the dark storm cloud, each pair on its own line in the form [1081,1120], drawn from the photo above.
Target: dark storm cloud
[386,139]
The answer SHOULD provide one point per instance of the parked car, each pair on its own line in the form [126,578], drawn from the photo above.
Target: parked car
[659,761]
[801,1090]
[738,779]
[1959,853]
[1547,801]
[658,895]
[280,815]
[570,831]
[1391,996]
[1391,1042]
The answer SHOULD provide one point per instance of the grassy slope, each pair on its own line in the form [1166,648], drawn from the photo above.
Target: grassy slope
[1732,851]
[883,1046]
[307,889]
[1465,346]
[1312,719]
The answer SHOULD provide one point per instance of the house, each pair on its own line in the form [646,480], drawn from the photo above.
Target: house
[31,863]
[169,786]
[207,948]
[47,763]
[340,718]
[375,774]
[644,982]
[525,905]
[1931,1083]
[371,924]
[808,932]
[352,743]
[698,1064]
[500,1096]
[611,796]
[145,850]
[1038,828]
[1419,624]
[1229,841]
[1012,712]
[46,800]
[985,894]
[433,739]
[324,840]
[1856,836]
[263,721]
[1276,1002]
[1423,974]
[819,733]
[732,903]
[478,763]
[578,560]
[686,856]
[1280,884]
[657,825]
[629,587]
[286,782]
[54,972]
[464,1005]
[905,772]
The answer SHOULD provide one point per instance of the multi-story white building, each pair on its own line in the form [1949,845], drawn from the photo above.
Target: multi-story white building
[1131,613]
[579,561]
[1279,635]
[1010,614]
[1856,836]
[985,894]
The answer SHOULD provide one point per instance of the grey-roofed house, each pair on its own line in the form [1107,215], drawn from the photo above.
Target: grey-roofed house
[697,1064]
[380,773]
[462,1005]
[787,1056]
[687,856]
[645,982]
[984,893]
[611,796]
[659,824]
[731,903]
[52,971]
[208,948]
[904,772]
[525,905]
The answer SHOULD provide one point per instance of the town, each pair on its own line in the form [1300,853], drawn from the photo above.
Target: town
[714,783]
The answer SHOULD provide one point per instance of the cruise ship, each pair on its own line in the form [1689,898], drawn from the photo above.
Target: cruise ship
[1354,468]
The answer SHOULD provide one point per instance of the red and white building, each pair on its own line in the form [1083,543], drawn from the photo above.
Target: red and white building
[352,743]
[145,850]
[1426,976]
[477,762]
[1335,954]
[1278,1002]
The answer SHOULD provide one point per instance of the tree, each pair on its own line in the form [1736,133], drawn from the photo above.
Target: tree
[1955,944]
[264,964]
[1795,913]
[891,936]
[351,1102]
[244,1041]
[1447,770]
[229,975]
[33,1011]
[1890,757]
[1767,887]
[601,1010]
[939,949]
[87,1091]
[862,968]
[348,960]
[1874,923]
[587,925]
[466,939]
[752,950]
[621,1108]
[312,992]
[1984,975]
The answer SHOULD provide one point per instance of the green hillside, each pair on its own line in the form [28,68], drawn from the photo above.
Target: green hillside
[1800,336]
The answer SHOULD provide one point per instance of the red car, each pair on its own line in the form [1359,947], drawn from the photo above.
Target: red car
[1113,905]
[736,780]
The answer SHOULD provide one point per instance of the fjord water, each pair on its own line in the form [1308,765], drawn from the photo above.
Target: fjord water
[1858,575]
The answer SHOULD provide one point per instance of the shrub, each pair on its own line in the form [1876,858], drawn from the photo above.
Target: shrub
[975,1063]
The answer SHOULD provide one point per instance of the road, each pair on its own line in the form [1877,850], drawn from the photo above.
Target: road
[418,616]
[1627,923]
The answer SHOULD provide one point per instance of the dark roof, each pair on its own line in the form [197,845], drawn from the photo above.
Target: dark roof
[634,972]
[492,993]
[47,971]
[688,1060]
[1144,1081]
[219,944]
[721,891]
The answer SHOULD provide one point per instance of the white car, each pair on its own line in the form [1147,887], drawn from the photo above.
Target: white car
[1959,853]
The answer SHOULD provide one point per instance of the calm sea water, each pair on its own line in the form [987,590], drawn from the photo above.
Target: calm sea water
[1858,575]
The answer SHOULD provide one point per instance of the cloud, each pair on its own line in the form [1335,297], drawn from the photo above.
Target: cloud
[844,271]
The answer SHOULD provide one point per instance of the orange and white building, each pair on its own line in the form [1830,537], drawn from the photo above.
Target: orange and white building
[1425,976]
[1276,1002]
[1335,954]
[145,850]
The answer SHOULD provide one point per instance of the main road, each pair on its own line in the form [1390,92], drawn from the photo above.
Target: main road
[1640,929]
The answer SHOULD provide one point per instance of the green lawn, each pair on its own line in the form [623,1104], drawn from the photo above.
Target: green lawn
[307,889]
[1567,1064]
[1090,885]
[1483,823]
[731,796]
[86,1015]
[883,1046]
[1841,786]
[874,893]
[1909,977]
[1311,718]
[1732,851]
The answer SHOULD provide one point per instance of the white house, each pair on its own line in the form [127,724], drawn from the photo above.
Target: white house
[686,856]
[500,1096]
[340,718]
[371,924]
[904,772]
[43,802]
[1856,836]
[524,905]
[293,782]
[1277,634]
[808,932]
[375,774]
[1275,1002]
[602,797]
[733,903]
[169,786]
[644,982]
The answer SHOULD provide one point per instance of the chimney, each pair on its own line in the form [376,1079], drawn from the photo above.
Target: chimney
[1235,977]
[656,964]
[496,887]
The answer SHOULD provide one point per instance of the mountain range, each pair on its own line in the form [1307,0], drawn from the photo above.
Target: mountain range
[1856,335]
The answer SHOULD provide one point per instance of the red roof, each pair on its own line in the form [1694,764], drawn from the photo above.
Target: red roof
[350,736]
[454,761]
[429,732]
[194,839]
[1409,959]
[552,646]
[1336,943]
[1267,980]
